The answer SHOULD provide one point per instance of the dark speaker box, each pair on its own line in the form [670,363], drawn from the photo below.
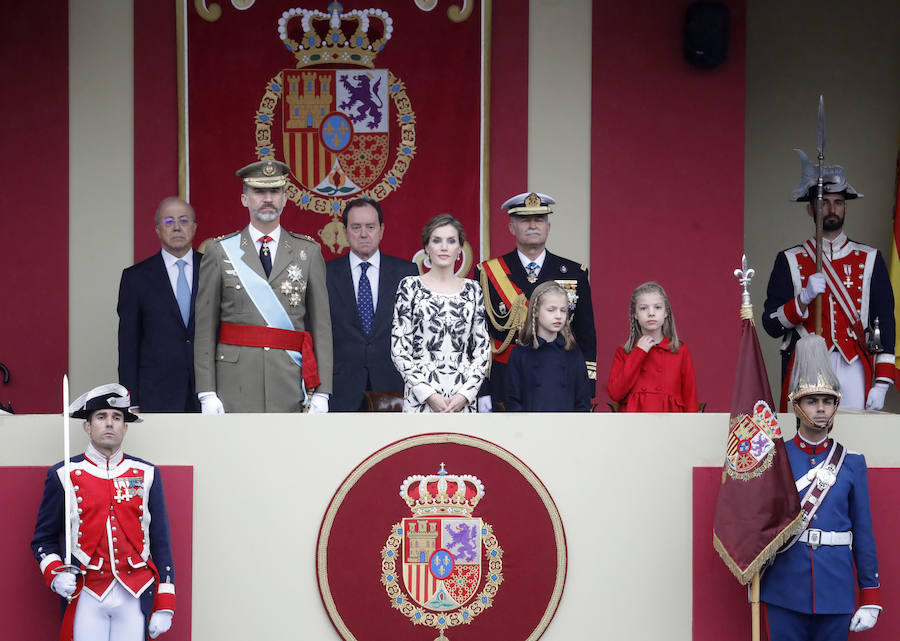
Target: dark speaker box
[706,27]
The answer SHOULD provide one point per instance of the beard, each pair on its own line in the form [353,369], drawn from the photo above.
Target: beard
[832,223]
[266,216]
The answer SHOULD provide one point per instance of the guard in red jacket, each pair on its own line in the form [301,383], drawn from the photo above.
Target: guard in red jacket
[119,531]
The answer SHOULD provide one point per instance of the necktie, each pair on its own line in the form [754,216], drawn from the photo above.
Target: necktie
[364,299]
[532,271]
[264,256]
[183,292]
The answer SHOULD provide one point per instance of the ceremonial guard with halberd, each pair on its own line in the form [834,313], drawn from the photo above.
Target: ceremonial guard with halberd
[258,289]
[810,588]
[509,280]
[117,531]
[858,302]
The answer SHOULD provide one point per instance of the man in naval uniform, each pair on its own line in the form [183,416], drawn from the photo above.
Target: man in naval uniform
[508,281]
[855,289]
[810,589]
[258,289]
[122,568]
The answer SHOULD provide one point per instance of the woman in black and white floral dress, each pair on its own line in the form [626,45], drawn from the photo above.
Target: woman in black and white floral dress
[439,339]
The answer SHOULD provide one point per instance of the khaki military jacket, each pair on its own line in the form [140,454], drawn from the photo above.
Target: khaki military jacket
[258,379]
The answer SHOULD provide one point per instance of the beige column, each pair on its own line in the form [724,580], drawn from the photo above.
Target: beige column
[101,182]
[559,118]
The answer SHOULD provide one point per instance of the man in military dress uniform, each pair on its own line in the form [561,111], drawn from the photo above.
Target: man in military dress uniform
[810,589]
[119,531]
[258,288]
[509,280]
[855,289]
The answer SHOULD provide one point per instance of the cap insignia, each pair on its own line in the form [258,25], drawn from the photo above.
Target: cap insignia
[532,201]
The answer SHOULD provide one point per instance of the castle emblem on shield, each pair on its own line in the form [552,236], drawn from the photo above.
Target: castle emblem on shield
[442,566]
[330,117]
[751,443]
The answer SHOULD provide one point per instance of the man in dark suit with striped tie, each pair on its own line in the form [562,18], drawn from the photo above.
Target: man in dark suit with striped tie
[362,288]
[156,317]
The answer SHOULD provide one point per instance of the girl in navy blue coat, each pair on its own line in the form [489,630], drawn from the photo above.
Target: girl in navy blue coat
[546,370]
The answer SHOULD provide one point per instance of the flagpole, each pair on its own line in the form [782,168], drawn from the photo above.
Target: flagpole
[754,606]
[820,148]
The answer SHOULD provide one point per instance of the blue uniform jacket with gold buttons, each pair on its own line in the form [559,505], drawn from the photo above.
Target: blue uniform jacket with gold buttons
[820,580]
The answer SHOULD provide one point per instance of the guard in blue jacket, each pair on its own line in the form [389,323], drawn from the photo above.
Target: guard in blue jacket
[810,591]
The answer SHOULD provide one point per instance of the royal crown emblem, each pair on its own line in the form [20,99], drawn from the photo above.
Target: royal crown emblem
[337,122]
[451,564]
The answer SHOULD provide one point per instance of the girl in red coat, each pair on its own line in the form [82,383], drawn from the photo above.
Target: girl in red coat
[653,371]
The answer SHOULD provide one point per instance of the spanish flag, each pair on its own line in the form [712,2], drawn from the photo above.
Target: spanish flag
[895,264]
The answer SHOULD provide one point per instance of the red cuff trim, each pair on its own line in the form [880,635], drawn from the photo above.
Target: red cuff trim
[792,312]
[885,371]
[164,601]
[870,596]
[48,571]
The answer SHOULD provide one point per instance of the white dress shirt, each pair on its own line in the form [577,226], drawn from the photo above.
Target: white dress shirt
[539,260]
[372,273]
[275,235]
[172,269]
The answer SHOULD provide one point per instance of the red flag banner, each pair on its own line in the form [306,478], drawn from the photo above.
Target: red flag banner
[758,508]
[383,102]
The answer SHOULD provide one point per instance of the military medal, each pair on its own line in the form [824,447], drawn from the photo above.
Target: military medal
[294,299]
[303,255]
[294,272]
[563,269]
[286,287]
[502,307]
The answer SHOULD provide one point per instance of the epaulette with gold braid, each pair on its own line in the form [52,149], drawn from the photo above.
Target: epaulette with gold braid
[302,237]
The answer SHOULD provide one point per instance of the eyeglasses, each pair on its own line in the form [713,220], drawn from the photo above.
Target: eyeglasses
[168,221]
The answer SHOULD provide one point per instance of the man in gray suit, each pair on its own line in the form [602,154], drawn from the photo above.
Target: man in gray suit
[362,288]
[258,288]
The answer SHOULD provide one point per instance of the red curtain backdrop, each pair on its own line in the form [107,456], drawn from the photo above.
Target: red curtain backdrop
[34,162]
[667,182]
[721,608]
[156,128]
[155,119]
[28,609]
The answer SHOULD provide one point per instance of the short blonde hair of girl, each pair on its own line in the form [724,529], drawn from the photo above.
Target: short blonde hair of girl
[668,327]
[528,333]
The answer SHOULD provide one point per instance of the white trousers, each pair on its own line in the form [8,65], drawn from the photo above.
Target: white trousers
[117,617]
[851,376]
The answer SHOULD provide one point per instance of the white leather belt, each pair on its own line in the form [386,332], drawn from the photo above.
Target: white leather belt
[815,538]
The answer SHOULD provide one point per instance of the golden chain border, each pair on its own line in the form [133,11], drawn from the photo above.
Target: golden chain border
[441,620]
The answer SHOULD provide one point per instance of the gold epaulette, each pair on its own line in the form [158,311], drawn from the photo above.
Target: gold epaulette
[302,236]
[228,235]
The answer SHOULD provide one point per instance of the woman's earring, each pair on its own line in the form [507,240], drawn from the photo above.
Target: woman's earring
[427,261]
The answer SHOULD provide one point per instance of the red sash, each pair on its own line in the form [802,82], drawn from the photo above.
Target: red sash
[275,338]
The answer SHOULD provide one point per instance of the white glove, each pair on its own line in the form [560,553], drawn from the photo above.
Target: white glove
[814,286]
[63,584]
[318,404]
[160,622]
[210,403]
[875,399]
[865,618]
[485,405]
